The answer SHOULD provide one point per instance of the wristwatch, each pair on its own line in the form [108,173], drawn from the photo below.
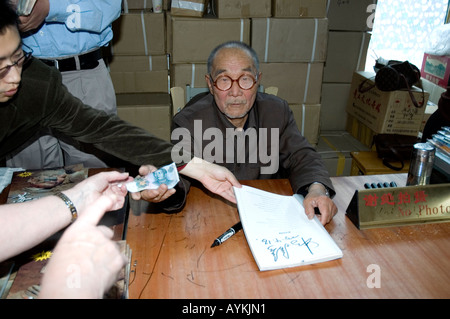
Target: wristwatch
[327,192]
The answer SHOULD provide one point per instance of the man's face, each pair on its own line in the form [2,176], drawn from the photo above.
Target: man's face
[10,52]
[235,102]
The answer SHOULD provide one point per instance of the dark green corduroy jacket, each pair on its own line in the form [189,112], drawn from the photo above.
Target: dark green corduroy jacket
[44,102]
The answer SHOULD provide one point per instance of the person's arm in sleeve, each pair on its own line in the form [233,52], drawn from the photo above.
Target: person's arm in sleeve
[307,172]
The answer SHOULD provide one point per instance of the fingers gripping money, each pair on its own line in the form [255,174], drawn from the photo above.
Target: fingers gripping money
[167,175]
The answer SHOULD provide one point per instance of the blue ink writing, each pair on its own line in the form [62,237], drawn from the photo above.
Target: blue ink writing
[279,246]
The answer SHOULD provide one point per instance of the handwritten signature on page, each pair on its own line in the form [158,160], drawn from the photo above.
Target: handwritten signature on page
[280,245]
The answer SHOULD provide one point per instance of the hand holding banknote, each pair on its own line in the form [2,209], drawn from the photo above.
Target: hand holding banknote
[154,185]
[215,178]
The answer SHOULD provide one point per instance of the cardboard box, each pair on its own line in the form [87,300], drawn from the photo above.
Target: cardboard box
[137,74]
[297,83]
[385,112]
[141,82]
[307,118]
[141,5]
[193,39]
[169,33]
[148,111]
[242,8]
[365,135]
[127,63]
[436,69]
[299,8]
[346,53]
[139,34]
[333,116]
[289,39]
[360,131]
[335,147]
[190,8]
[192,74]
[351,15]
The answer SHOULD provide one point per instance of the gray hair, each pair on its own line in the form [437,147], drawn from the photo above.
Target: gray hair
[237,45]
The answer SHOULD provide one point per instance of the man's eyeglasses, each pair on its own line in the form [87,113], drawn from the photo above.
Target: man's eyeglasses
[224,82]
[19,63]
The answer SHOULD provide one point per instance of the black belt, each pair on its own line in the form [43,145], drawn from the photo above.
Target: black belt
[85,62]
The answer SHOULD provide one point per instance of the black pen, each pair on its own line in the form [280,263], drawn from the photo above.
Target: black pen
[230,232]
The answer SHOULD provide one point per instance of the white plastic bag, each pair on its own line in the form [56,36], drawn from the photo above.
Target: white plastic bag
[439,41]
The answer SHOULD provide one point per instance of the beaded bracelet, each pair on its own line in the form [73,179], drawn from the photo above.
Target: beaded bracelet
[69,204]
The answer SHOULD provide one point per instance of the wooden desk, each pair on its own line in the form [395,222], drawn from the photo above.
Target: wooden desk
[173,258]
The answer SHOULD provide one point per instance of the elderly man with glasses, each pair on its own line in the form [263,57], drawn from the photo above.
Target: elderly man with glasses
[236,126]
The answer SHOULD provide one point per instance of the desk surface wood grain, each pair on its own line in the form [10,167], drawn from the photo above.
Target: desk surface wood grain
[172,257]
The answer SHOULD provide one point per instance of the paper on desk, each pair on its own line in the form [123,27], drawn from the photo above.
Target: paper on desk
[165,175]
[278,231]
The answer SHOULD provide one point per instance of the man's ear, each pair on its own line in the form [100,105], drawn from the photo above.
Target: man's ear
[209,83]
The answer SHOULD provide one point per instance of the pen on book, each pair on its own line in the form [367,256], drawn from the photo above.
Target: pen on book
[230,232]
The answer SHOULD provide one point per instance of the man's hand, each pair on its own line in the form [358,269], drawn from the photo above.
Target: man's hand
[316,197]
[152,195]
[215,178]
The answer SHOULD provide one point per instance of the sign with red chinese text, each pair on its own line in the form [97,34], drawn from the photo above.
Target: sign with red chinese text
[397,206]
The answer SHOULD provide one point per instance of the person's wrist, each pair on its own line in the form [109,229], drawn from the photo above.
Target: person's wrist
[319,189]
[194,168]
[69,204]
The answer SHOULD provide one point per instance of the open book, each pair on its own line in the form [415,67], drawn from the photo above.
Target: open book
[279,233]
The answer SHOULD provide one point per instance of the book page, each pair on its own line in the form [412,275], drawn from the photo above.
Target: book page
[279,233]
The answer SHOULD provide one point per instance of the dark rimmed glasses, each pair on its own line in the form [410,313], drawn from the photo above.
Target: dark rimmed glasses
[224,82]
[19,63]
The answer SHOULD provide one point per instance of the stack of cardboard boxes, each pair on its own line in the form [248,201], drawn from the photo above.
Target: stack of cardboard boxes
[139,68]
[350,22]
